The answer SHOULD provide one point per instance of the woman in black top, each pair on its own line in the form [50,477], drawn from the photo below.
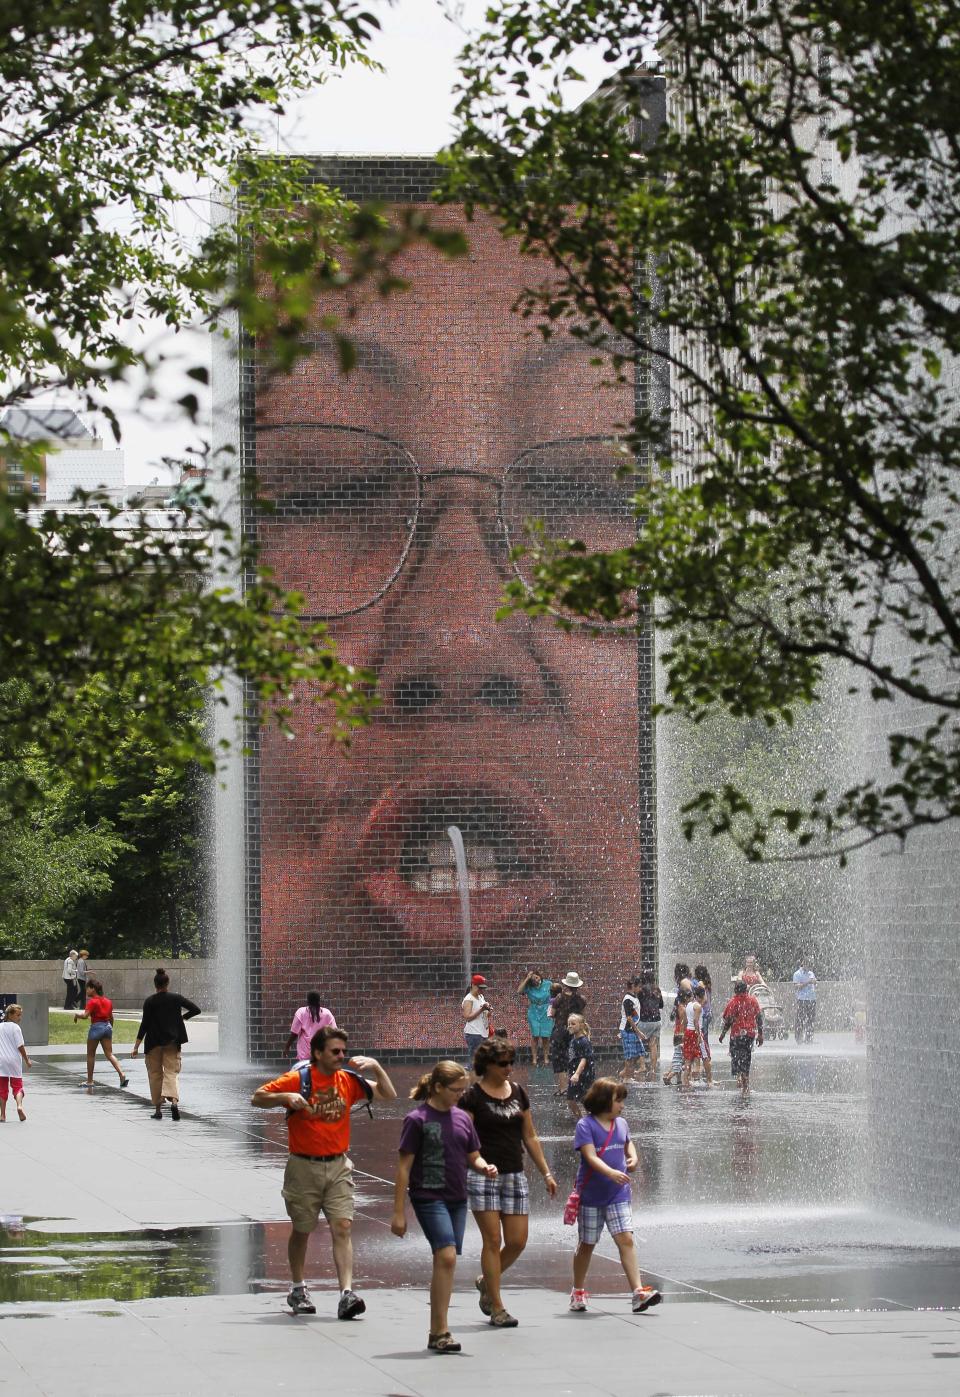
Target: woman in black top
[162,1028]
[650,998]
[501,1114]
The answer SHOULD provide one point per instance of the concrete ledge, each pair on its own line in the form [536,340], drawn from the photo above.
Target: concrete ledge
[35,1022]
[126,982]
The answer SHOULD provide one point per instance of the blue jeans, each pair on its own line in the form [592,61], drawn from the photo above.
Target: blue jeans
[443,1223]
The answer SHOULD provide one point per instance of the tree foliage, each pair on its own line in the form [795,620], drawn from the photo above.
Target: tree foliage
[155,901]
[116,117]
[800,210]
[50,861]
[108,630]
[116,866]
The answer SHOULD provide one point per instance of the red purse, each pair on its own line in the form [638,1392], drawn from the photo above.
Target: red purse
[571,1209]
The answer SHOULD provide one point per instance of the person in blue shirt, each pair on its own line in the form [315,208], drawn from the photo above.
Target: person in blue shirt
[805,988]
[537,991]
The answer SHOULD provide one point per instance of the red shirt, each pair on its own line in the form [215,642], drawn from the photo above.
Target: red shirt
[742,1013]
[100,1008]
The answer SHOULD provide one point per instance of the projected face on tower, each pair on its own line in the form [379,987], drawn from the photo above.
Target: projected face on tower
[398,494]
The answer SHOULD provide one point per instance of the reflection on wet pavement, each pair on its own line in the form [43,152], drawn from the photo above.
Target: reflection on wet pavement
[760,1202]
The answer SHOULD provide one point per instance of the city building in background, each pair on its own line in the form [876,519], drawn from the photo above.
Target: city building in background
[76,459]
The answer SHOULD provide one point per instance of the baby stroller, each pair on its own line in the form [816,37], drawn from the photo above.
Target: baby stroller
[774,1023]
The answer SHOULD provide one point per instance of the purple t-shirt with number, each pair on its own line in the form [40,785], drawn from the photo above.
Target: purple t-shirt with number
[599,1191]
[440,1142]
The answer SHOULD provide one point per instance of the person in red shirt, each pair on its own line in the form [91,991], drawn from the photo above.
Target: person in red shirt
[743,1020]
[319,1175]
[99,1010]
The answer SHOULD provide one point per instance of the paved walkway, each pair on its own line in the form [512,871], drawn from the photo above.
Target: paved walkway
[246,1346]
[99,1164]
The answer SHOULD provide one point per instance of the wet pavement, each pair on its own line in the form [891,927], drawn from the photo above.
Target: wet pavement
[160,1249]
[758,1202]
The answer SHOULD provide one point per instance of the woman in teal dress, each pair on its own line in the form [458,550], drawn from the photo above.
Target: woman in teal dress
[537,990]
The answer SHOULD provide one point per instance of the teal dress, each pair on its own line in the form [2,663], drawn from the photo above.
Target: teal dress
[541,1025]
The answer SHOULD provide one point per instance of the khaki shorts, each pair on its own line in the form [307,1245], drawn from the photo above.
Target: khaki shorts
[315,1186]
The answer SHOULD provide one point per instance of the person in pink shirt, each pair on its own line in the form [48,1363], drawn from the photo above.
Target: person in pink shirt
[306,1021]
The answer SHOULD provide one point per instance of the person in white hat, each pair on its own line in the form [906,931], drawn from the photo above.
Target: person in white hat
[569,1001]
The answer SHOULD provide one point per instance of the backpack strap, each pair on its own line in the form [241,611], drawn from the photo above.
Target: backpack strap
[306,1084]
[367,1088]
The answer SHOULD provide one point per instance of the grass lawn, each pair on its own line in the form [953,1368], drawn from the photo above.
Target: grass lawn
[64,1030]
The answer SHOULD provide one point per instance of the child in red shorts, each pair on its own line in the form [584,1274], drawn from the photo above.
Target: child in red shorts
[12,1055]
[692,1049]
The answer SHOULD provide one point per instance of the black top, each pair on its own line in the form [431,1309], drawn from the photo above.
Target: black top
[499,1125]
[650,999]
[582,1048]
[163,1016]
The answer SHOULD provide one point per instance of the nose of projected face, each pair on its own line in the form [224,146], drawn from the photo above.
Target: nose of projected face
[450,654]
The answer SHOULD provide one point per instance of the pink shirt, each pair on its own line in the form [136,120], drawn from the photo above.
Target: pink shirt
[305,1026]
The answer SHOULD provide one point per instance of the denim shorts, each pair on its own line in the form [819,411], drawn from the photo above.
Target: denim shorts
[443,1223]
[99,1031]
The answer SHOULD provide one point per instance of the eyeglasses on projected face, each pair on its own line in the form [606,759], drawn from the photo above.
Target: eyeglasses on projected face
[346,508]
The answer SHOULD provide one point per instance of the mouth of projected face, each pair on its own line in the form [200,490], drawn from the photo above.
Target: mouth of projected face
[511,860]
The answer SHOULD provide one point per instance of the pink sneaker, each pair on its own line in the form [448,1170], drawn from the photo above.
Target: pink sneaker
[578,1300]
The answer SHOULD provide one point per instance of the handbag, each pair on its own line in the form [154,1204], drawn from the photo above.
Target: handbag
[571,1209]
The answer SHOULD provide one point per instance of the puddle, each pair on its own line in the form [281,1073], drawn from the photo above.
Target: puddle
[45,1266]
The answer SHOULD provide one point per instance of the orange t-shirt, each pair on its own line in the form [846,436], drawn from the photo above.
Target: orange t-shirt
[328,1132]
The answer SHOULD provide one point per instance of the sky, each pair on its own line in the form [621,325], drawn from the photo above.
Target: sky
[407,109]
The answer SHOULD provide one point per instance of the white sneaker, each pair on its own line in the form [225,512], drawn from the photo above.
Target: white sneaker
[644,1297]
[578,1300]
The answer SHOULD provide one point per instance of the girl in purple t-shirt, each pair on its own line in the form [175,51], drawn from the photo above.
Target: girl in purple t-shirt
[608,1158]
[438,1143]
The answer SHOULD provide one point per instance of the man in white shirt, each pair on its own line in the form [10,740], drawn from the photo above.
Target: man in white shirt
[805,988]
[476,1016]
[70,980]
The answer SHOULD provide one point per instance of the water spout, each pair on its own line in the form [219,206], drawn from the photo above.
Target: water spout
[460,858]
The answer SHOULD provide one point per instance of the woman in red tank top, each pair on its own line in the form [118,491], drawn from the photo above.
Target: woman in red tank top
[99,1011]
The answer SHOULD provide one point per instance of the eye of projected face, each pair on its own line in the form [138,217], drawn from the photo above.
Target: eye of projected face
[571,489]
[344,505]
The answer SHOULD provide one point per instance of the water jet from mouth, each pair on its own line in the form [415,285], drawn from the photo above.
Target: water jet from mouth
[463,883]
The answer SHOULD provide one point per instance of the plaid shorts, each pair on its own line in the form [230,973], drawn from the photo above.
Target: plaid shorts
[632,1045]
[507,1193]
[590,1221]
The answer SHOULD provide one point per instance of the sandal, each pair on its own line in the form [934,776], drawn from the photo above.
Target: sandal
[486,1304]
[502,1320]
[443,1343]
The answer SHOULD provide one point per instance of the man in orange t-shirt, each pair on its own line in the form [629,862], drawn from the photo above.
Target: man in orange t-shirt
[319,1176]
